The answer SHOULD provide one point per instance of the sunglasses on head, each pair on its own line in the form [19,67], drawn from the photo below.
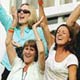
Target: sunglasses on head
[24,11]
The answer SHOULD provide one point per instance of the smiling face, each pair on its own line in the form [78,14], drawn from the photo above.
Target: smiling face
[62,36]
[23,14]
[30,52]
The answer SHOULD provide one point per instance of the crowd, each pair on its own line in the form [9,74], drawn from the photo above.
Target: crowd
[32,52]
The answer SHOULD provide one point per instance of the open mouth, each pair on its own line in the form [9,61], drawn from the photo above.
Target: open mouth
[59,38]
[21,17]
[27,55]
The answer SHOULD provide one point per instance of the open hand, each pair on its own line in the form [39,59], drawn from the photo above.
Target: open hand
[16,44]
[38,22]
[14,15]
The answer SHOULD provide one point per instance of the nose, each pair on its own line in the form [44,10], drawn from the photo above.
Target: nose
[60,33]
[28,51]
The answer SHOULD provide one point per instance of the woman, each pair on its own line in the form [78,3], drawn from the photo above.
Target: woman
[61,63]
[24,19]
[33,62]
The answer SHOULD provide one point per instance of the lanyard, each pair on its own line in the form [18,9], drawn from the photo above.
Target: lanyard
[24,74]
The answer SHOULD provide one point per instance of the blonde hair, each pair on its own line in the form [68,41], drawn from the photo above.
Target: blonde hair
[33,15]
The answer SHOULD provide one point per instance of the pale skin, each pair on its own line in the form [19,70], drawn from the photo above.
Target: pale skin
[12,53]
[71,21]
[62,34]
[50,38]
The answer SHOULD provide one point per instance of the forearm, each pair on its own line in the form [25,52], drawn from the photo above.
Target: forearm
[38,40]
[73,16]
[41,11]
[9,36]
[49,38]
[41,52]
[10,49]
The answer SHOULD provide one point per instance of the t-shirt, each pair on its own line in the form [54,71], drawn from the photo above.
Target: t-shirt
[58,70]
[33,72]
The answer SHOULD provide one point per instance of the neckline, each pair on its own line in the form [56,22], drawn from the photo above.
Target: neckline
[62,60]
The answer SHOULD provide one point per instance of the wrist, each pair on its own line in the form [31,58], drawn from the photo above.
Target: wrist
[14,24]
[11,29]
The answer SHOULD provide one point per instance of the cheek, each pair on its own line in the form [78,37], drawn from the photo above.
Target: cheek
[27,16]
[33,54]
[67,37]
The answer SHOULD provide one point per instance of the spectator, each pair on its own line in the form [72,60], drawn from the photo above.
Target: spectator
[24,17]
[61,63]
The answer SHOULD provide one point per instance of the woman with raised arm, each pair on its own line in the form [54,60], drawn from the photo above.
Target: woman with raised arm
[61,63]
[33,63]
[24,18]
[72,22]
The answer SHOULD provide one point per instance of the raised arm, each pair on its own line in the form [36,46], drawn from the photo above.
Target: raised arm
[74,16]
[41,52]
[41,11]
[44,24]
[5,18]
[9,46]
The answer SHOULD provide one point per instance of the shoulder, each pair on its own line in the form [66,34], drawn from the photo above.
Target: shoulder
[72,59]
[52,51]
[17,61]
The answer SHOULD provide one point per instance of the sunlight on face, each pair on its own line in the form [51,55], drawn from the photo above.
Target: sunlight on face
[23,14]
[62,36]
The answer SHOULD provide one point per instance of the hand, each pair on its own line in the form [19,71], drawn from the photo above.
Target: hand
[14,15]
[40,2]
[16,44]
[38,22]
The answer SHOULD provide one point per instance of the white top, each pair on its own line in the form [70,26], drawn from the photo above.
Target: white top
[33,72]
[58,70]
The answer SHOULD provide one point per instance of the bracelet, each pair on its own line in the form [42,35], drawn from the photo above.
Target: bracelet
[10,30]
[40,2]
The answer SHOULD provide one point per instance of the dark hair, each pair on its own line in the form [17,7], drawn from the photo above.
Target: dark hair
[32,43]
[19,51]
[70,44]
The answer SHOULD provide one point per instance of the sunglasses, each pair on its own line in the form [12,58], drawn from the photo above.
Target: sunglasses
[24,11]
